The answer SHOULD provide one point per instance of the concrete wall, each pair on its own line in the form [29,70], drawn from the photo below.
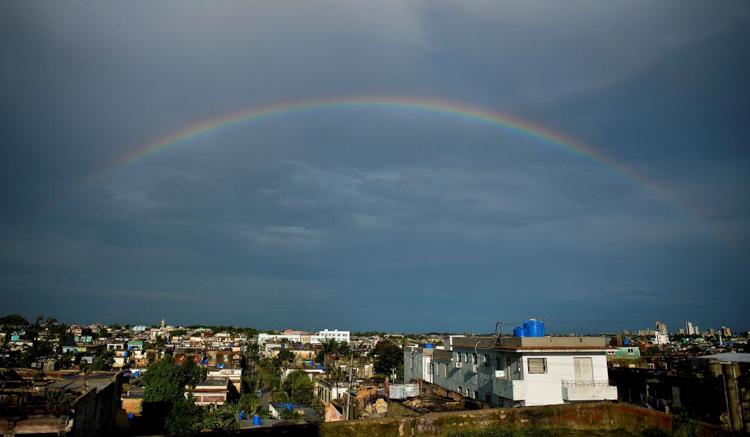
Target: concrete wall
[95,411]
[602,417]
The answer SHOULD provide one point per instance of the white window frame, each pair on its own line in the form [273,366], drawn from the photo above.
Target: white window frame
[537,361]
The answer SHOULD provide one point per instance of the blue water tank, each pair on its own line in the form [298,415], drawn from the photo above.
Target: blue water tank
[125,354]
[256,420]
[519,332]
[534,328]
[429,346]
[626,342]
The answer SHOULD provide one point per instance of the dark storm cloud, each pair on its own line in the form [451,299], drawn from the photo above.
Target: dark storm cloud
[375,219]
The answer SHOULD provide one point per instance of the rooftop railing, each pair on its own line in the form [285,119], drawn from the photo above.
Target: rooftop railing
[585,382]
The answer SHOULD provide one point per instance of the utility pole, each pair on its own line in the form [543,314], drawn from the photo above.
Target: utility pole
[349,393]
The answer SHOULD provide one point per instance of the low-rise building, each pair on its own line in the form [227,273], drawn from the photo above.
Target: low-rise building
[624,353]
[234,375]
[516,371]
[212,392]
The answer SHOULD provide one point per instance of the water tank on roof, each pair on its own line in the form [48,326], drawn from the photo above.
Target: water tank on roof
[429,346]
[533,328]
[519,332]
[256,420]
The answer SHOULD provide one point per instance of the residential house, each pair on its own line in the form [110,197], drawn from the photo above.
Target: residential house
[516,371]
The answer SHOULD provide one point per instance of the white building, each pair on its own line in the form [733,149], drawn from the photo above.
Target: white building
[264,338]
[517,371]
[340,336]
[305,337]
[660,339]
[691,329]
[661,328]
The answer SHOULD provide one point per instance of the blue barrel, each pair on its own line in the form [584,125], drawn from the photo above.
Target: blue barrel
[519,332]
[527,327]
[256,420]
[540,328]
[534,328]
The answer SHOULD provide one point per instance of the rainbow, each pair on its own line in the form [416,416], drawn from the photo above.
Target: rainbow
[432,106]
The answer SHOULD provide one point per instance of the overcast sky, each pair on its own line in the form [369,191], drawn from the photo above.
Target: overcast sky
[386,219]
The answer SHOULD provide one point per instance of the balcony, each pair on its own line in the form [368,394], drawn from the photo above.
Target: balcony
[514,389]
[588,390]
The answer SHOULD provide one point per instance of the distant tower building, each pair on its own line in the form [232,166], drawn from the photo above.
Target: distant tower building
[162,323]
[726,332]
[689,328]
[661,328]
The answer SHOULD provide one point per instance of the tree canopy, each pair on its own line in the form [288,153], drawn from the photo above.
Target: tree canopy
[387,356]
[299,387]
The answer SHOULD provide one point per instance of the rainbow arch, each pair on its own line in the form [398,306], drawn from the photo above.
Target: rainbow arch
[446,108]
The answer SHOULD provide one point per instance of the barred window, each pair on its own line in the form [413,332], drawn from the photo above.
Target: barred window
[537,365]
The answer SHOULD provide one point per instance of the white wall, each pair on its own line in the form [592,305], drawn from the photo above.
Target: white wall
[546,388]
[532,389]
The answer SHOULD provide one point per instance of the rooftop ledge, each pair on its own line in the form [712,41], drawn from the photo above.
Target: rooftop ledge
[533,343]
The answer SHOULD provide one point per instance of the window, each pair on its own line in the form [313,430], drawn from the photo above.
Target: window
[486,360]
[498,363]
[474,358]
[537,365]
[488,398]
[445,370]
[460,390]
[631,351]
[466,357]
[583,368]
[476,394]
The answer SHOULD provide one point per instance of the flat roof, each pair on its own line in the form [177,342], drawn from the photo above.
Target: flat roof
[732,357]
[532,343]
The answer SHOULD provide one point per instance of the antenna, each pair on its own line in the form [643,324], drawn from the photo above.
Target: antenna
[499,329]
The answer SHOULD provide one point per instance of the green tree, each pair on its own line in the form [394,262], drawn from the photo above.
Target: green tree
[222,418]
[190,373]
[184,417]
[285,356]
[13,321]
[386,356]
[103,361]
[250,404]
[162,381]
[299,387]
